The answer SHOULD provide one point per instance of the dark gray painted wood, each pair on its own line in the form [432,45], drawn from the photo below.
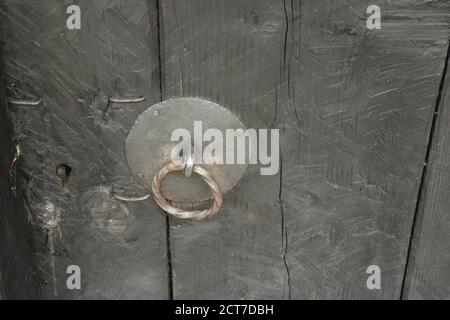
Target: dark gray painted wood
[428,273]
[121,248]
[354,108]
[16,275]
[366,104]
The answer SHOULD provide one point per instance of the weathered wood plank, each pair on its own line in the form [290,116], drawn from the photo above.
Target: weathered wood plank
[363,154]
[428,272]
[354,108]
[16,281]
[121,248]
[225,51]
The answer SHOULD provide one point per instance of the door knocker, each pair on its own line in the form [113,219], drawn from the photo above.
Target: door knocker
[150,147]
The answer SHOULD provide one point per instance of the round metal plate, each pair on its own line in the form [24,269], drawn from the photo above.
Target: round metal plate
[149,145]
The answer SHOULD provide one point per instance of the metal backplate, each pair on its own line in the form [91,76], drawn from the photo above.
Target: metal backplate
[149,145]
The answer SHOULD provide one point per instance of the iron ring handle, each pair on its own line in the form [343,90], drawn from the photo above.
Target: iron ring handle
[180,213]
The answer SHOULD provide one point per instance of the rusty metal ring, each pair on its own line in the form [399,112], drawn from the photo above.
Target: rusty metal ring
[180,213]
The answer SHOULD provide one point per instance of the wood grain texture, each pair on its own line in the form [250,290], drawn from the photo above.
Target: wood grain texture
[354,109]
[365,149]
[428,273]
[121,248]
[16,277]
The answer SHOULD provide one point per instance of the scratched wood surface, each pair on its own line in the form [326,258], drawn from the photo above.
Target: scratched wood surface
[120,248]
[354,108]
[16,277]
[428,275]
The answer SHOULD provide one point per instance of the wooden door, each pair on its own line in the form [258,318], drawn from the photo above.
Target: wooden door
[363,119]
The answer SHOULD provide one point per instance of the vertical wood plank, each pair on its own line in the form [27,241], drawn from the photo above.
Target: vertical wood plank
[229,52]
[428,275]
[16,280]
[120,247]
[354,108]
[367,102]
